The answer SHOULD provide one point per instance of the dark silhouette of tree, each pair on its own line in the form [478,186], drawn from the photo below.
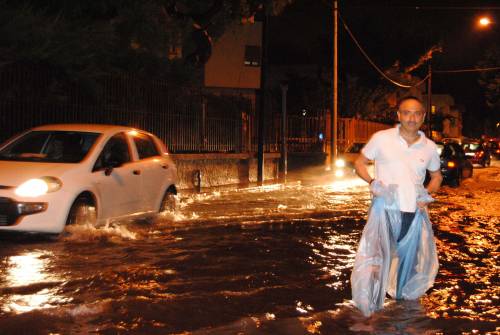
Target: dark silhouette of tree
[490,80]
[153,38]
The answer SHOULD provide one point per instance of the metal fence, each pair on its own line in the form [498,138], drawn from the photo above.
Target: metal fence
[187,119]
[354,130]
[306,134]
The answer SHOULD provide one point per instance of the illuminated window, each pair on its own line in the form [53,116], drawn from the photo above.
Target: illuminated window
[252,55]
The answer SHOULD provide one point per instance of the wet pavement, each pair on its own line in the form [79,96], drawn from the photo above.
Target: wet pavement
[260,260]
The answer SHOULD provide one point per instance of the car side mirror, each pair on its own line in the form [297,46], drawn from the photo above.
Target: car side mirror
[110,166]
[108,170]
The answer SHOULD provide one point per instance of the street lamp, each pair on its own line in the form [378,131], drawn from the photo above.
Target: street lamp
[484,21]
[335,84]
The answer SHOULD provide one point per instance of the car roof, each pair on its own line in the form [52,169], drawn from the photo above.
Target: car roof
[85,127]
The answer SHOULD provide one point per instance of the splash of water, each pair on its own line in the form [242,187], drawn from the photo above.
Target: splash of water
[113,231]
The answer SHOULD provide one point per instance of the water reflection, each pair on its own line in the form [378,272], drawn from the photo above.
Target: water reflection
[339,251]
[25,269]
[466,287]
[28,277]
[264,260]
[346,184]
[273,201]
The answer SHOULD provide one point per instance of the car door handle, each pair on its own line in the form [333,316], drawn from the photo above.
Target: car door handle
[164,167]
[136,172]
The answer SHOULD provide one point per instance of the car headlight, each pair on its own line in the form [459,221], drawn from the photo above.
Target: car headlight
[339,173]
[38,186]
[340,163]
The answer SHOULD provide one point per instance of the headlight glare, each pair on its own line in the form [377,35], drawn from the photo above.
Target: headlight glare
[38,186]
[339,173]
[340,163]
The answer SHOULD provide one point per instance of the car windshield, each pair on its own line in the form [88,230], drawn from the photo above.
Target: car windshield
[472,146]
[440,148]
[447,150]
[50,146]
[355,148]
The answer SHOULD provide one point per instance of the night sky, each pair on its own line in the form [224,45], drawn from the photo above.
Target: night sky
[395,30]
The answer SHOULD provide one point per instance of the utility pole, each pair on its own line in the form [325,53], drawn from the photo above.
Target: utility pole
[333,119]
[263,93]
[436,48]
[284,134]
[429,99]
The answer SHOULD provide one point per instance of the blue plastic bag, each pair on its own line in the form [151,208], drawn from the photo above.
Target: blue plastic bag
[404,269]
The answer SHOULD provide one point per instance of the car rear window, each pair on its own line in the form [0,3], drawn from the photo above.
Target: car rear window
[50,146]
[146,146]
[472,146]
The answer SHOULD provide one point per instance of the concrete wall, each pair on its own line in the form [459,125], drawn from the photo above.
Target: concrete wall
[222,169]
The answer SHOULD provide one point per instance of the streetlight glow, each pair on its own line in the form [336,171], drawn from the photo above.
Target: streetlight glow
[484,21]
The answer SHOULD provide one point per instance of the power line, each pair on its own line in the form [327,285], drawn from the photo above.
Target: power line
[382,73]
[468,70]
[416,7]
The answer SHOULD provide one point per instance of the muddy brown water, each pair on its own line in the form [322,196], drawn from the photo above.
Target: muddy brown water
[261,260]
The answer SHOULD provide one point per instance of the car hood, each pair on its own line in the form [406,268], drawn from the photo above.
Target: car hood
[15,173]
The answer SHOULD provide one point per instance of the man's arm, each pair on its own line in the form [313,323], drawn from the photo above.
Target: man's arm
[435,182]
[361,167]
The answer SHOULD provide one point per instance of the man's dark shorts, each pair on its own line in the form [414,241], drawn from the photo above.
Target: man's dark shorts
[406,220]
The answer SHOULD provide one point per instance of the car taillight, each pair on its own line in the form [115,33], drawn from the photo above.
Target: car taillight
[498,151]
[480,154]
[451,164]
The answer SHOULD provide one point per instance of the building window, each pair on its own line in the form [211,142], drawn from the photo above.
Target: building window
[252,55]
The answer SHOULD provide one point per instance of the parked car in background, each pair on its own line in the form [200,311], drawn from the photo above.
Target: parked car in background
[344,165]
[477,153]
[454,164]
[494,147]
[55,175]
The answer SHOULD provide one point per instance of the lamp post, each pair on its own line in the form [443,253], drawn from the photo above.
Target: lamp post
[435,48]
[429,97]
[333,119]
[263,92]
[284,134]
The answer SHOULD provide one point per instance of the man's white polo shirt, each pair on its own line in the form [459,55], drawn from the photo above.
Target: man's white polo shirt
[398,163]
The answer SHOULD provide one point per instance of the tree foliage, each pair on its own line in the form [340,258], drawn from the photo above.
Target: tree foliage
[490,80]
[90,38]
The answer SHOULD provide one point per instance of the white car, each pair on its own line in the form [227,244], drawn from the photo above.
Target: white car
[55,175]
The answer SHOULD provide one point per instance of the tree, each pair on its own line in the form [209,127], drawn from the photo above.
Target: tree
[90,38]
[490,80]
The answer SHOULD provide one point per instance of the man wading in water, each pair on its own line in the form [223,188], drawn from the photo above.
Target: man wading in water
[386,261]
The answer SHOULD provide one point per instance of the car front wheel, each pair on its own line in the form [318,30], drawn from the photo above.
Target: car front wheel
[168,203]
[83,211]
[455,182]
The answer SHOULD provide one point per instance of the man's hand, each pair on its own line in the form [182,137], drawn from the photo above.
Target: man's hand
[377,188]
[422,205]
[423,197]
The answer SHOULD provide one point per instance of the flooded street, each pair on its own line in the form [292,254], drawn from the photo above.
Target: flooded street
[259,260]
